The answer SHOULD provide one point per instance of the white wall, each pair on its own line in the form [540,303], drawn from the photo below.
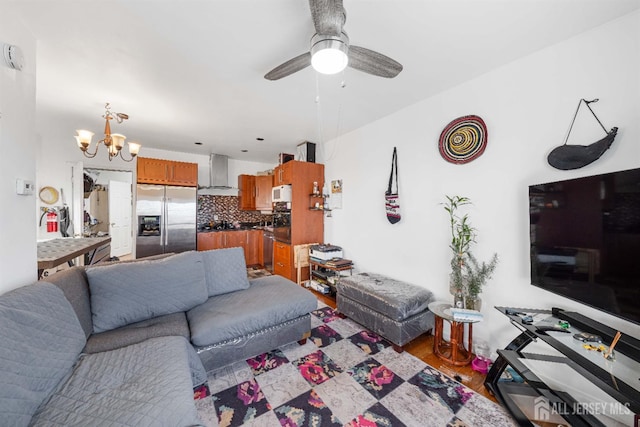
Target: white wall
[527,106]
[18,265]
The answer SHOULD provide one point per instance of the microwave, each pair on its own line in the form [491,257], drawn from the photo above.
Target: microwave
[281,193]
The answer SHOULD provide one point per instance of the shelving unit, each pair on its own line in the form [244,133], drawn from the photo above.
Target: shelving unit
[328,274]
[316,204]
[617,378]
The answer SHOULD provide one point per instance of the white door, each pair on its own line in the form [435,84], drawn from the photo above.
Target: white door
[120,207]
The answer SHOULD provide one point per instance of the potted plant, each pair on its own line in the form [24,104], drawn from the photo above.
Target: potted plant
[462,234]
[478,273]
[468,276]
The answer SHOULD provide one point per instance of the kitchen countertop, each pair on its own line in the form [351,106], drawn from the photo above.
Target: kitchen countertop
[238,229]
[52,253]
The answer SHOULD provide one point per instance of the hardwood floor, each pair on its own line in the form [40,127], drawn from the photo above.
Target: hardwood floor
[422,348]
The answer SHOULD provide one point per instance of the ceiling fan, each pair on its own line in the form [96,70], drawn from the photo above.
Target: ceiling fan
[330,51]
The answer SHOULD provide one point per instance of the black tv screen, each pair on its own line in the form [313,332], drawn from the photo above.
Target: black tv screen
[585,240]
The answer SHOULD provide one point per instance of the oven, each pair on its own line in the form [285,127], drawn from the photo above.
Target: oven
[282,223]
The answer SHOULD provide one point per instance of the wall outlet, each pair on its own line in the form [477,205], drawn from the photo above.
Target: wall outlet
[215,217]
[24,187]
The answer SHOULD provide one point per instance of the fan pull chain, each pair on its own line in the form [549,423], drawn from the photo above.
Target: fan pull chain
[319,112]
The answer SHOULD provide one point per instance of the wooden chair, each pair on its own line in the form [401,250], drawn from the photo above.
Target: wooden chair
[301,259]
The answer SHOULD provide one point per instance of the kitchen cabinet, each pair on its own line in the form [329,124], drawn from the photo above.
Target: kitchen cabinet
[249,240]
[167,172]
[152,171]
[247,192]
[254,192]
[282,260]
[283,174]
[234,239]
[183,173]
[253,248]
[264,184]
[209,241]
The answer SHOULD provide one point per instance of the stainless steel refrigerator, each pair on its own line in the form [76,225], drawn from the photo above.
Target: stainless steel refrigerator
[166,218]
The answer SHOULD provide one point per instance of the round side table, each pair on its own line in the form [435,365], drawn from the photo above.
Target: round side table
[452,351]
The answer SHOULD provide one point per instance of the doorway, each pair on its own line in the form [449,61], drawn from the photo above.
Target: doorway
[108,208]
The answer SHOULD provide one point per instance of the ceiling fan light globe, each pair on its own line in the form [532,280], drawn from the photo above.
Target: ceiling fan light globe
[329,56]
[329,61]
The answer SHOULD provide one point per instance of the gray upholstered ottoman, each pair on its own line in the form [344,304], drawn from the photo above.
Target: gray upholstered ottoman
[396,310]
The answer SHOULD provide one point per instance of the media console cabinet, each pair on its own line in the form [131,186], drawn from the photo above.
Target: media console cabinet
[553,386]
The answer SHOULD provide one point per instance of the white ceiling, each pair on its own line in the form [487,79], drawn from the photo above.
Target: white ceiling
[187,70]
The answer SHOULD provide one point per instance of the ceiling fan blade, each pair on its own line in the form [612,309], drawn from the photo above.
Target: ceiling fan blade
[291,66]
[328,16]
[372,62]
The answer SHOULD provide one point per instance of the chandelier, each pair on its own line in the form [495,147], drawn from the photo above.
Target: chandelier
[113,141]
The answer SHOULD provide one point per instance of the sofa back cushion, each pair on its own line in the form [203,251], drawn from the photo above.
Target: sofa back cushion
[73,282]
[225,270]
[40,340]
[131,292]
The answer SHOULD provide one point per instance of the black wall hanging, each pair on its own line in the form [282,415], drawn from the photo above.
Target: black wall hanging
[567,157]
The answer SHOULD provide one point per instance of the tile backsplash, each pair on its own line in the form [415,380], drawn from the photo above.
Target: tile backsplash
[226,209]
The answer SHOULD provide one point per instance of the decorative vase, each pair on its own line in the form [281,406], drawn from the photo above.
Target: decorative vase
[458,300]
[473,302]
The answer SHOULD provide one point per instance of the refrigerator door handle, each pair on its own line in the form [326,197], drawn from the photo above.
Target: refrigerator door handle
[166,222]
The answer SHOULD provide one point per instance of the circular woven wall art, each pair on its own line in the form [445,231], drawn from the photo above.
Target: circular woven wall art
[463,140]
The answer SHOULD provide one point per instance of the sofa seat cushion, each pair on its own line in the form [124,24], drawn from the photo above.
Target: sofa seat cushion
[126,293]
[393,298]
[40,340]
[269,301]
[225,270]
[174,324]
[145,384]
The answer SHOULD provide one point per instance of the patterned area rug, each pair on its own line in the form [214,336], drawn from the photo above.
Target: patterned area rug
[344,375]
[254,273]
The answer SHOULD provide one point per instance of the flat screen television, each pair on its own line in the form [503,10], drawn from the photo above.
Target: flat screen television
[585,240]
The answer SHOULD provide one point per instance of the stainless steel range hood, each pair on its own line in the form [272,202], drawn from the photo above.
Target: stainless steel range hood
[218,177]
[219,171]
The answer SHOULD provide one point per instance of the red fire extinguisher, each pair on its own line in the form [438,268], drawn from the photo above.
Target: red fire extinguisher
[52,221]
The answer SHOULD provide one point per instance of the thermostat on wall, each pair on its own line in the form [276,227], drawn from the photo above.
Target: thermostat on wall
[24,187]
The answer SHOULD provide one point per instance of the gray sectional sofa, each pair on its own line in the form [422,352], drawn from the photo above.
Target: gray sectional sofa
[126,343]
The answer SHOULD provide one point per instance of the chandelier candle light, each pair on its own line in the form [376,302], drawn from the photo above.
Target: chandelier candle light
[113,141]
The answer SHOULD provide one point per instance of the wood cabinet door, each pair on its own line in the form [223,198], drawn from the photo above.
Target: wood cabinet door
[247,192]
[264,184]
[284,174]
[158,171]
[253,250]
[277,175]
[234,239]
[183,173]
[209,241]
[152,171]
[282,264]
